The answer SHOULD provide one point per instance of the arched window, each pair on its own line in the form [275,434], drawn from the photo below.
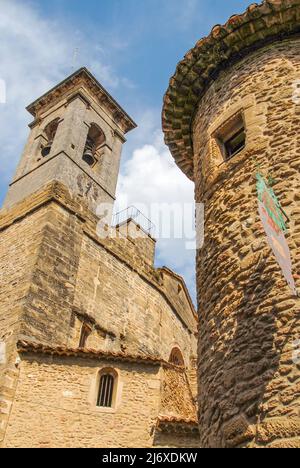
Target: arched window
[49,134]
[107,389]
[95,140]
[176,357]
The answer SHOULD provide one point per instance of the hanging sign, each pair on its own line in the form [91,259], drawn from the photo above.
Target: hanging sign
[272,217]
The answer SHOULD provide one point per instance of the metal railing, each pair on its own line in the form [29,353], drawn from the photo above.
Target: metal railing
[137,216]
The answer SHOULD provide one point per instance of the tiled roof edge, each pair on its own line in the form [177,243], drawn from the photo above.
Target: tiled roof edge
[269,21]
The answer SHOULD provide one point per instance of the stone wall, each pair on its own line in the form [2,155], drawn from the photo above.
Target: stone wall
[57,274]
[55,406]
[177,398]
[18,256]
[249,385]
[137,318]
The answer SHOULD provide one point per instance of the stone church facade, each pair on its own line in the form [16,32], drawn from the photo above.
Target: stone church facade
[98,347]
[232,110]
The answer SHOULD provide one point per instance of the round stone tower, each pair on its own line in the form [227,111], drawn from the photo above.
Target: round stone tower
[232,111]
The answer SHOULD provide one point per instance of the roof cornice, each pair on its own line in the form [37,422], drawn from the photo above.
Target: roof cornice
[177,424]
[260,25]
[82,77]
[39,348]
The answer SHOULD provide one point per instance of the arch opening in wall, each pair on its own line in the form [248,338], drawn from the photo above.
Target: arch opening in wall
[49,135]
[176,357]
[107,388]
[94,142]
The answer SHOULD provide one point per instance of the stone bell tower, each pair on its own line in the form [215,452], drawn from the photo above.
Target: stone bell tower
[232,109]
[70,165]
[76,139]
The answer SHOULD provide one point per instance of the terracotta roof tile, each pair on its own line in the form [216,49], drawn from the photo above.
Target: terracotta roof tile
[30,347]
[259,25]
[177,424]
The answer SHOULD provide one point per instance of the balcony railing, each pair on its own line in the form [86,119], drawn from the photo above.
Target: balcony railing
[132,213]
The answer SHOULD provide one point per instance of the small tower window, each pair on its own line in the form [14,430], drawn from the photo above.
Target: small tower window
[85,333]
[235,144]
[230,138]
[95,140]
[49,133]
[176,357]
[107,388]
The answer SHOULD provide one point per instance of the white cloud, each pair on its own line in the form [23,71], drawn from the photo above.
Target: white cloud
[32,57]
[35,54]
[150,178]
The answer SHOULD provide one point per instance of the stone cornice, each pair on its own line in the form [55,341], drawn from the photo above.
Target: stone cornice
[29,347]
[39,348]
[260,25]
[83,78]
[177,424]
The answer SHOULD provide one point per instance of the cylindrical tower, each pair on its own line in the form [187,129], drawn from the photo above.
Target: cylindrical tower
[233,110]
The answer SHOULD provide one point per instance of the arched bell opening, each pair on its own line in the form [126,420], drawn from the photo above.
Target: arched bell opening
[49,134]
[94,142]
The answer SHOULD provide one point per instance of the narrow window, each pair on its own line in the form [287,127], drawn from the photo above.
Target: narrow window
[230,138]
[106,391]
[85,333]
[235,144]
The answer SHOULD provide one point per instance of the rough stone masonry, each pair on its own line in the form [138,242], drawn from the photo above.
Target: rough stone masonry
[242,80]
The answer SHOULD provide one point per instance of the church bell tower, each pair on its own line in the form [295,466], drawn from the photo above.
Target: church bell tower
[76,138]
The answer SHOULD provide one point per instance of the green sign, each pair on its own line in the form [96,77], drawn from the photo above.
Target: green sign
[271,215]
[271,203]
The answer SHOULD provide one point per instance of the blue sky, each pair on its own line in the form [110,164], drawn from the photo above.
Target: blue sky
[132,47]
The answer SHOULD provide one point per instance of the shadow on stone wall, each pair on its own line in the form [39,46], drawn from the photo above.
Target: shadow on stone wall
[252,361]
[234,406]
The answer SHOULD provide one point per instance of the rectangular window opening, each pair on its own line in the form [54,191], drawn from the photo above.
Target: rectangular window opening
[230,138]
[235,144]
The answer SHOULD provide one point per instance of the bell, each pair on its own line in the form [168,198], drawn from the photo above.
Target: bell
[46,149]
[88,156]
